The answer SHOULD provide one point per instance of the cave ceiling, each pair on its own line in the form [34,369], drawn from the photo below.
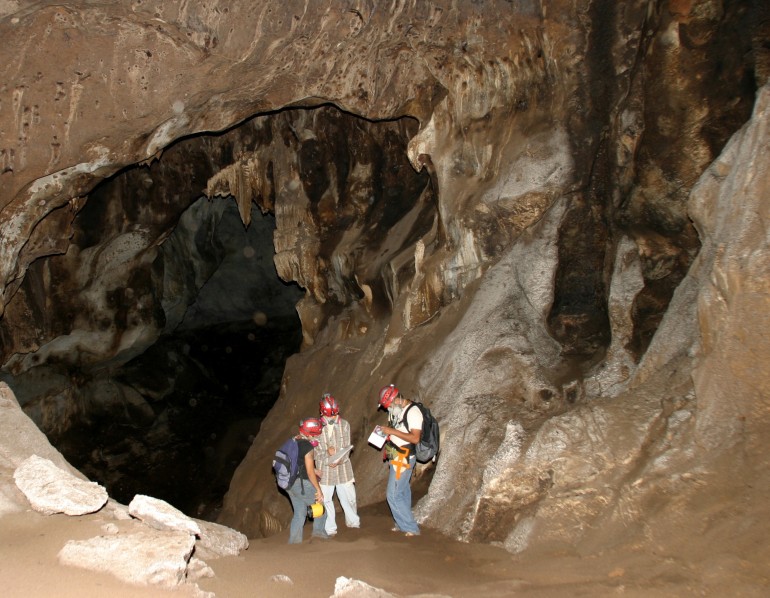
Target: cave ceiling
[487,201]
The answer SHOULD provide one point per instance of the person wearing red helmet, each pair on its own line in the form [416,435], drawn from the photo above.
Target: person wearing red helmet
[301,492]
[336,476]
[403,434]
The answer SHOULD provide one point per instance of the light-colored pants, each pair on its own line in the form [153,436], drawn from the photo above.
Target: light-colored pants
[346,493]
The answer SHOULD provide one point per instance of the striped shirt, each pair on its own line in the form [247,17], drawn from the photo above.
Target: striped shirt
[335,435]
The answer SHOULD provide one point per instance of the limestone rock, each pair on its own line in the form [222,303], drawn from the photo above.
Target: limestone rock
[117,511]
[731,376]
[619,365]
[198,569]
[345,587]
[488,366]
[160,515]
[142,558]
[50,489]
[218,541]
[282,579]
[20,440]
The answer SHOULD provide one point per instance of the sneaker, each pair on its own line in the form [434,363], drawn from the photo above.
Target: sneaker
[395,529]
[411,534]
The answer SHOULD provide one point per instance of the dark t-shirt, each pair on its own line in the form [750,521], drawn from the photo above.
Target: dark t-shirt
[304,447]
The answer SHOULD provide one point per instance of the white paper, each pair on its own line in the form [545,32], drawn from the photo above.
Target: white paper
[376,439]
[340,455]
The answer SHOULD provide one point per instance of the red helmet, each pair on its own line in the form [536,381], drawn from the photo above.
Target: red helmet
[311,426]
[387,395]
[329,406]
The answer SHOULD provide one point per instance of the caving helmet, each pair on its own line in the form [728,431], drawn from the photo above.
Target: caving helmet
[310,427]
[329,406]
[388,394]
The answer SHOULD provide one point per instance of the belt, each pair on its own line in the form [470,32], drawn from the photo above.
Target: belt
[409,446]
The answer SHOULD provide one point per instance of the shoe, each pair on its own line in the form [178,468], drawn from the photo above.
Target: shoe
[395,529]
[410,534]
[330,534]
[322,536]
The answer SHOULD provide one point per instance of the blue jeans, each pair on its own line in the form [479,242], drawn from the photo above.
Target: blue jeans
[300,503]
[400,498]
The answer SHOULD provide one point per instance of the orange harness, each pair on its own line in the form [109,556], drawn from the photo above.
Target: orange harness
[401,461]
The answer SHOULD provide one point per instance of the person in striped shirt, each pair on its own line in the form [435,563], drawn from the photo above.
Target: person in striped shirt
[336,476]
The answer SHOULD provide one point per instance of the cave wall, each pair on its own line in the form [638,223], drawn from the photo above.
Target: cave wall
[517,293]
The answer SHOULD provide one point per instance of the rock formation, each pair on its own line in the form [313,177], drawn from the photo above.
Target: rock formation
[542,218]
[147,543]
[52,490]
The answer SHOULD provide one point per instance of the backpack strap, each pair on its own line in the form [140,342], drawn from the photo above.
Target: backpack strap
[404,420]
[300,463]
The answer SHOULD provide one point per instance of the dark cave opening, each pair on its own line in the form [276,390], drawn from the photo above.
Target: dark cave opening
[174,421]
[227,378]
[212,375]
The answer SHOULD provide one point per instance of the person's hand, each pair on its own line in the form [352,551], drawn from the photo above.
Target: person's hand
[319,496]
[331,450]
[333,465]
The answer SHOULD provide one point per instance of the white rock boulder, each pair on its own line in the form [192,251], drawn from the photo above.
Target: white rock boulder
[50,489]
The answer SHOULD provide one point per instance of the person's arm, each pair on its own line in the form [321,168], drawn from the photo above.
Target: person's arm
[310,467]
[345,431]
[412,436]
[319,457]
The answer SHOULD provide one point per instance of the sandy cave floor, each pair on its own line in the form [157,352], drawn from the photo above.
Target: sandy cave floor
[429,565]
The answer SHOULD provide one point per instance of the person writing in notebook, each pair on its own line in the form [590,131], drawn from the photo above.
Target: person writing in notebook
[403,431]
[336,474]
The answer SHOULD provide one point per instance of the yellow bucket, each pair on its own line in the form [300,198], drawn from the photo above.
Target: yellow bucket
[315,510]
